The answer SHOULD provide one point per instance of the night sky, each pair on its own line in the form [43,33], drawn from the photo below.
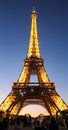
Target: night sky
[15,23]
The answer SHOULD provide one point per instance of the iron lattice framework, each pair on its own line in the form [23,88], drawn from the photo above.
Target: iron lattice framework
[25,92]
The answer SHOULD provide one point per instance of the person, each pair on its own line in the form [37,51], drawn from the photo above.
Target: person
[4,124]
[53,124]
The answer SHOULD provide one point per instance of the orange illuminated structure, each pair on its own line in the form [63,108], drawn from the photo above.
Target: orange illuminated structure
[26,92]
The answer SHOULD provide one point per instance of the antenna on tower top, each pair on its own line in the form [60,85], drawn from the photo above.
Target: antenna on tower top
[34,9]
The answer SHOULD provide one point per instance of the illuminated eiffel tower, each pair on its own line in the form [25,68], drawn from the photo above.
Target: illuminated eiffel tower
[26,92]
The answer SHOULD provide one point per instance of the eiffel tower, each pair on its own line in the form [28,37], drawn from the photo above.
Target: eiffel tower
[26,92]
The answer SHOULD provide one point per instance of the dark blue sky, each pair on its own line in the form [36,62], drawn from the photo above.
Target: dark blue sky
[53,40]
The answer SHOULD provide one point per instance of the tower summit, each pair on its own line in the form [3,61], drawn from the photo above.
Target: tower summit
[33,50]
[26,92]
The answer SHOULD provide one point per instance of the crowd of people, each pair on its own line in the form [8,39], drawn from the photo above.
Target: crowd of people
[38,123]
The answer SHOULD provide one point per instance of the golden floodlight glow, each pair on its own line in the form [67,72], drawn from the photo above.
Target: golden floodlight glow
[58,101]
[33,90]
[33,50]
